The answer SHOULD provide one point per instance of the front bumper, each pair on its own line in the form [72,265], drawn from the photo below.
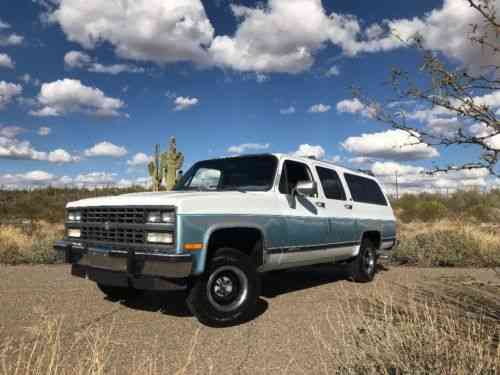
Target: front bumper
[141,270]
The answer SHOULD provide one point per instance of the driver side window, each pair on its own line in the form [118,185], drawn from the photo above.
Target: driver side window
[292,173]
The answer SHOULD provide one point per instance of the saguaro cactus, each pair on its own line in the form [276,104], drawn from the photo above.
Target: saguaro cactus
[155,170]
[172,162]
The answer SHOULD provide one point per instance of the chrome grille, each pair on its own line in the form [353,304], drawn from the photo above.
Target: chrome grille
[125,215]
[116,235]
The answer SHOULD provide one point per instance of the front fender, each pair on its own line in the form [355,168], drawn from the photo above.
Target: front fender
[199,228]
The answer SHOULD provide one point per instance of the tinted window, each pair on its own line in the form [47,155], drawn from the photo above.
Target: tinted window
[331,183]
[254,173]
[365,190]
[293,172]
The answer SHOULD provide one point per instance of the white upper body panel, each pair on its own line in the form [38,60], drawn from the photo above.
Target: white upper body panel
[237,202]
[188,202]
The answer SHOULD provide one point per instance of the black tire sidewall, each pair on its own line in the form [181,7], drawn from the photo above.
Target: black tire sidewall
[357,270]
[199,303]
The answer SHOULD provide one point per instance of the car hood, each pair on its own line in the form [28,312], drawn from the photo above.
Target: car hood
[185,201]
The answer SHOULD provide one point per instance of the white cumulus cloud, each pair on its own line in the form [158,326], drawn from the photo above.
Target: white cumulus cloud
[16,149]
[356,107]
[10,40]
[6,61]
[287,111]
[391,144]
[77,59]
[139,159]
[246,147]
[307,150]
[145,30]
[182,103]
[7,92]
[61,156]
[106,149]
[43,131]
[333,71]
[320,108]
[10,131]
[70,95]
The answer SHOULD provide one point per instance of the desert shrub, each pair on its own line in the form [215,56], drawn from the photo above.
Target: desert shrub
[48,204]
[482,213]
[431,210]
[448,244]
[413,336]
[19,246]
[425,210]
[461,205]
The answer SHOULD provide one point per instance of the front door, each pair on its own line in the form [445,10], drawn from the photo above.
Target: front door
[307,223]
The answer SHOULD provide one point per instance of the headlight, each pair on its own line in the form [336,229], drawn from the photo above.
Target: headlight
[74,233]
[74,215]
[154,217]
[157,237]
[167,217]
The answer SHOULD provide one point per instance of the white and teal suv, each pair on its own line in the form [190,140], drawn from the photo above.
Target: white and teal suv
[227,221]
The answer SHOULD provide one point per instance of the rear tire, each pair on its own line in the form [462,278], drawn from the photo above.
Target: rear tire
[363,267]
[117,293]
[227,292]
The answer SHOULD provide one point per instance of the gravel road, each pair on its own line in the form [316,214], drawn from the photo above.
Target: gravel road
[293,306]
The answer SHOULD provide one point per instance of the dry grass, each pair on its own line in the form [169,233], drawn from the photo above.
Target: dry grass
[415,335]
[34,246]
[449,243]
[378,334]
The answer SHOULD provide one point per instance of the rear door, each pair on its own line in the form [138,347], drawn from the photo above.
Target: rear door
[370,206]
[342,234]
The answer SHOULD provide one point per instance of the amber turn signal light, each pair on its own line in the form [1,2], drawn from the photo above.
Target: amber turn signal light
[193,246]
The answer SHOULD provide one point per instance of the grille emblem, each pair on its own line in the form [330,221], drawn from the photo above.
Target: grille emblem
[107,225]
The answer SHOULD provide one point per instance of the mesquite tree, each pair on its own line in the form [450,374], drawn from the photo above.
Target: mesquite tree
[465,99]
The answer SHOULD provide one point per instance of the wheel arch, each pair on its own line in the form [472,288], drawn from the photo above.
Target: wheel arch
[235,236]
[373,235]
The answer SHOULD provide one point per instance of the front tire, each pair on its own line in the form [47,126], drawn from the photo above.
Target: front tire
[227,292]
[363,267]
[117,293]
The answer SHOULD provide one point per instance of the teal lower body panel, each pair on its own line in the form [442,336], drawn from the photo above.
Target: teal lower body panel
[306,236]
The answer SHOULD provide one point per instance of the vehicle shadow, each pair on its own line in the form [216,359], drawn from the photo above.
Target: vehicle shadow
[275,283]
[174,304]
[286,281]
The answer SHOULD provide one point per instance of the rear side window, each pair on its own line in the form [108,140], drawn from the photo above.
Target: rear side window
[331,183]
[365,190]
[293,172]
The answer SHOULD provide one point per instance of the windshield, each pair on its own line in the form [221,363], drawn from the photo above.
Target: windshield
[249,173]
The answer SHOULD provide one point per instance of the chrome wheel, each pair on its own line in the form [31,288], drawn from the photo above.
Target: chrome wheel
[227,288]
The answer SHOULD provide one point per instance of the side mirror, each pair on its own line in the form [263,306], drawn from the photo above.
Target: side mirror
[305,188]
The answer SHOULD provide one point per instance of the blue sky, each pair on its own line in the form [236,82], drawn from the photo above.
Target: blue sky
[110,79]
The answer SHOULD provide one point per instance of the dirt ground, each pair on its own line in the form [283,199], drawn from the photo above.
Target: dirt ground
[294,305]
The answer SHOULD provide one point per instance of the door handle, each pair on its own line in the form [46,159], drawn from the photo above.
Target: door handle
[348,206]
[320,204]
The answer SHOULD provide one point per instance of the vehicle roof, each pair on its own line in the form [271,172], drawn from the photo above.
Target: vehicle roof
[325,163]
[308,161]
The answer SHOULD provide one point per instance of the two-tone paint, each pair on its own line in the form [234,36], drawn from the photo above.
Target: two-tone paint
[296,230]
